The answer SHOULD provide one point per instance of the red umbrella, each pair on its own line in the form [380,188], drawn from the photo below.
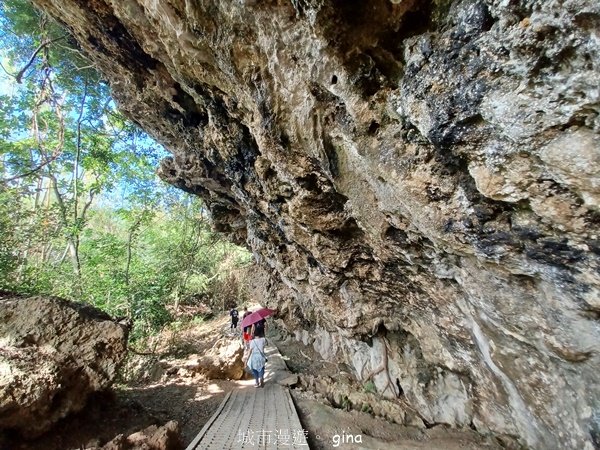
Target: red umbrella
[257,316]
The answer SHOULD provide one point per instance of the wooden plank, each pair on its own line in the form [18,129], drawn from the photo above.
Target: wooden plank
[207,425]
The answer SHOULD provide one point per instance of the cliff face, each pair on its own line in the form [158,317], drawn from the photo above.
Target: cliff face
[420,181]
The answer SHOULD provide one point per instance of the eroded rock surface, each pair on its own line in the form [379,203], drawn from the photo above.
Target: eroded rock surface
[418,179]
[53,354]
[223,361]
[166,437]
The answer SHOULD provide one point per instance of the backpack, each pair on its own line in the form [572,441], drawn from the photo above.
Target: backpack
[234,314]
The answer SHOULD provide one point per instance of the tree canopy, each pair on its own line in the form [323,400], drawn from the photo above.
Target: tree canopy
[82,213]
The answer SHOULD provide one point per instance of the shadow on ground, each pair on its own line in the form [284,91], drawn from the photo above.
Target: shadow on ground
[126,411]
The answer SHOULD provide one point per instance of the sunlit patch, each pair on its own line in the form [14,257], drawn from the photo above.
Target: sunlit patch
[214,388]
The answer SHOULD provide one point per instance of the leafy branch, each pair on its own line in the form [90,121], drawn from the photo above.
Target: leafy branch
[41,47]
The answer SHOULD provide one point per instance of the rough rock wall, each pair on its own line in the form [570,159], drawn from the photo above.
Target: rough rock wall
[419,178]
[53,354]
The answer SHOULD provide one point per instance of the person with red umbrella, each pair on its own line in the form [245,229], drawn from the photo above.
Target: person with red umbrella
[256,357]
[257,320]
[257,360]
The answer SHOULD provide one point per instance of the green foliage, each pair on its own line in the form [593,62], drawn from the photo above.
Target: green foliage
[370,387]
[367,408]
[82,213]
[346,403]
[8,239]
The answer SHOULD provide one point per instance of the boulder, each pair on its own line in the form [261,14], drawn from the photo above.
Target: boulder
[290,381]
[53,354]
[166,437]
[223,361]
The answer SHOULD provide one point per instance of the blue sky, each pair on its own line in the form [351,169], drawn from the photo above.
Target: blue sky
[7,83]
[117,197]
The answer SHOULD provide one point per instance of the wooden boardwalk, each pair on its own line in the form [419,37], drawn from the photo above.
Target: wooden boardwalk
[255,418]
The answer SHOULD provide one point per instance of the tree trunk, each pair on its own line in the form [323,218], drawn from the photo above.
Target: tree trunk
[72,238]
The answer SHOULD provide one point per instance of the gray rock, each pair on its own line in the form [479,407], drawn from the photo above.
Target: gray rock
[290,381]
[222,361]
